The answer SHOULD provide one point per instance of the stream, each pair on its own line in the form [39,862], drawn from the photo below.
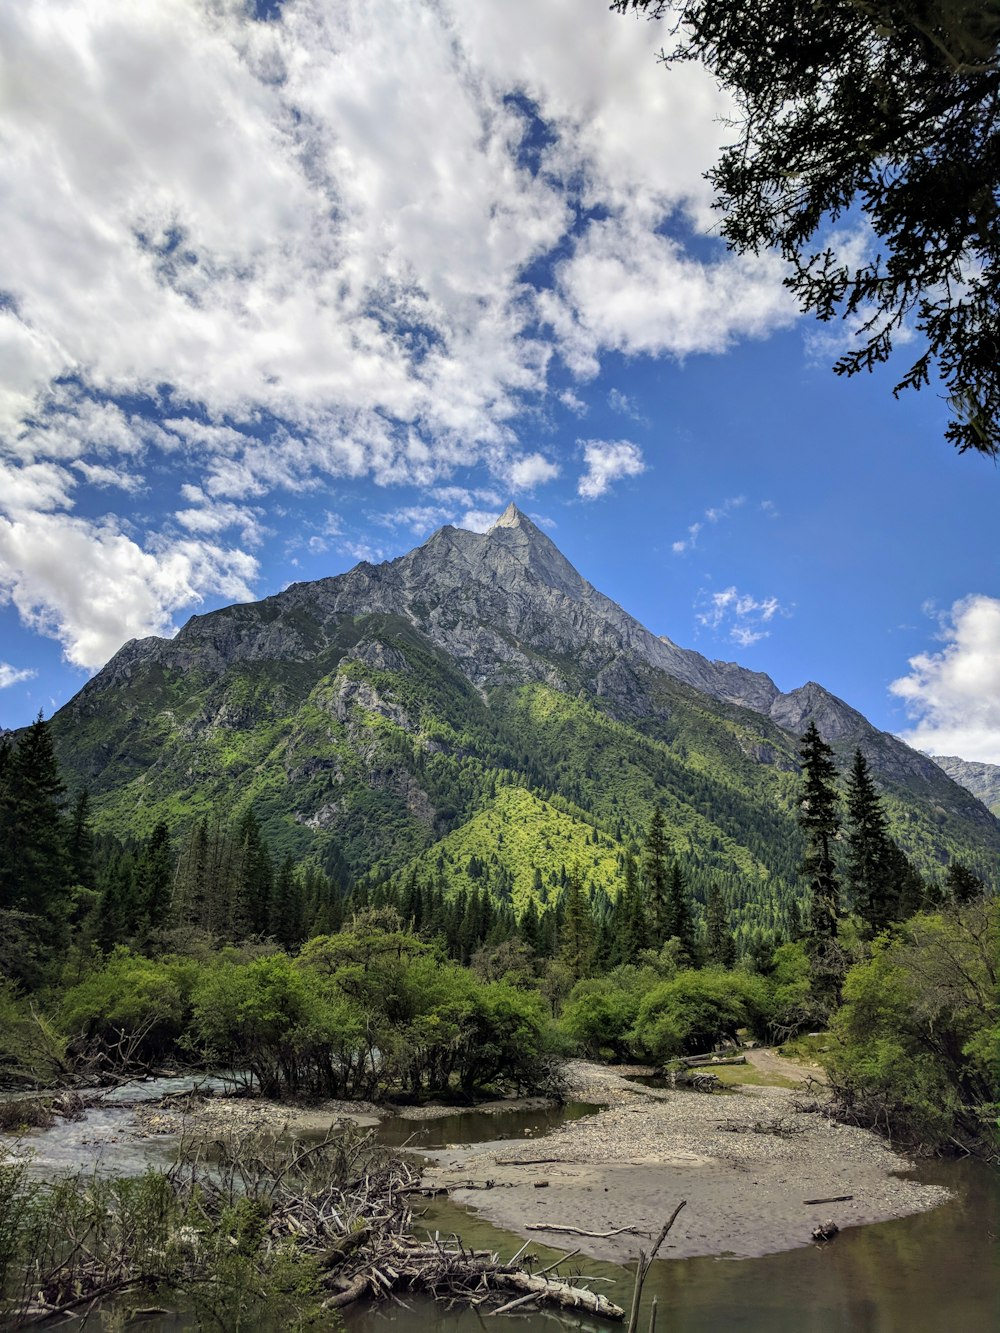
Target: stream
[931,1270]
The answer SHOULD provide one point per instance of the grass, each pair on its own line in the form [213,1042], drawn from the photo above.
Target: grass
[735,1076]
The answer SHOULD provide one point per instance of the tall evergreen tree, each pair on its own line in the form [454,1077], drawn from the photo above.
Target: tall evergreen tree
[80,842]
[720,947]
[154,877]
[286,907]
[679,922]
[577,933]
[34,866]
[656,879]
[819,818]
[962,886]
[868,862]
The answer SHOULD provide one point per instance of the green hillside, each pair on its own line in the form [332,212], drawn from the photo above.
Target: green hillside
[521,847]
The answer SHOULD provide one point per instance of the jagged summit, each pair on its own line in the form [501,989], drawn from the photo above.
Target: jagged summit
[512,517]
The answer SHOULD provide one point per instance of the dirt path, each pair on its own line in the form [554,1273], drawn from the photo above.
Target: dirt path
[767,1060]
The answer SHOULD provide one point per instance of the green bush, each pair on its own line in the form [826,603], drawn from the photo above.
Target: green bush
[131,1011]
[697,1010]
[918,1038]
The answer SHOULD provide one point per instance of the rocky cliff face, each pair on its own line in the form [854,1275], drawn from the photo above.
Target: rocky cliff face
[983,780]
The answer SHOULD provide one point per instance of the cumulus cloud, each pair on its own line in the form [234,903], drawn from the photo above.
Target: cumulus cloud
[304,263]
[738,616]
[13,675]
[532,470]
[91,586]
[478,520]
[953,695]
[607,462]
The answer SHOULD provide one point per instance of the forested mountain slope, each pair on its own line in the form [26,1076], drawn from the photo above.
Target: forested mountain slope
[367,717]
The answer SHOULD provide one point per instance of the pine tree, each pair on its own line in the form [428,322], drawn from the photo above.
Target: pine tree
[720,947]
[154,877]
[285,921]
[34,866]
[819,818]
[874,895]
[80,842]
[576,936]
[656,879]
[679,923]
[962,886]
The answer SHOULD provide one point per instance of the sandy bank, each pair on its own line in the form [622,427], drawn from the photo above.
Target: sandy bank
[629,1165]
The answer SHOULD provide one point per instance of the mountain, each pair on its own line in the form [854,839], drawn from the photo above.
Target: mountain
[983,780]
[371,716]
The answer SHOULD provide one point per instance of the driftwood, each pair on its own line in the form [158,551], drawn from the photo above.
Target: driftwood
[696,1061]
[645,1263]
[344,1202]
[576,1231]
[553,1292]
[526,1161]
[834,1198]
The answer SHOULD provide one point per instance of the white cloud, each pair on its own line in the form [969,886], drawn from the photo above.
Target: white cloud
[723,510]
[418,518]
[532,470]
[608,461]
[738,616]
[13,675]
[714,514]
[953,695]
[575,404]
[91,586]
[97,474]
[624,405]
[689,542]
[477,520]
[315,265]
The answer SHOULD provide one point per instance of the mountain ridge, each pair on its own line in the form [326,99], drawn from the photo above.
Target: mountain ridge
[376,707]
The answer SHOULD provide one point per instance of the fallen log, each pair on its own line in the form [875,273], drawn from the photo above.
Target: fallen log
[576,1231]
[525,1161]
[561,1294]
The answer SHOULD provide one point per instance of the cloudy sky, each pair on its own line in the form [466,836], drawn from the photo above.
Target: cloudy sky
[288,287]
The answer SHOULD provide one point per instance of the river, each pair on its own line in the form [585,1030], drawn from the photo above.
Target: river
[933,1270]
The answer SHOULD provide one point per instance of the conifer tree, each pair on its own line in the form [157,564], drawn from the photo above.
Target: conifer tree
[868,862]
[679,923]
[34,866]
[577,934]
[656,879]
[285,921]
[154,877]
[962,886]
[720,947]
[80,842]
[819,818]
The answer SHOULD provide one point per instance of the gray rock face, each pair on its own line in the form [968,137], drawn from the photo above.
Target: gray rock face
[983,780]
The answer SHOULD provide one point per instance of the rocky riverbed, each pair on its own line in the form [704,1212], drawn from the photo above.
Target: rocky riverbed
[746,1162]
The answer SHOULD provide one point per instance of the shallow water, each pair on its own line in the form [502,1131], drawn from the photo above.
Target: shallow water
[468,1127]
[939,1269]
[103,1139]
[933,1271]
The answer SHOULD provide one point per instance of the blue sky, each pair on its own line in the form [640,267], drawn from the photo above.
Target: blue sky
[279,295]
